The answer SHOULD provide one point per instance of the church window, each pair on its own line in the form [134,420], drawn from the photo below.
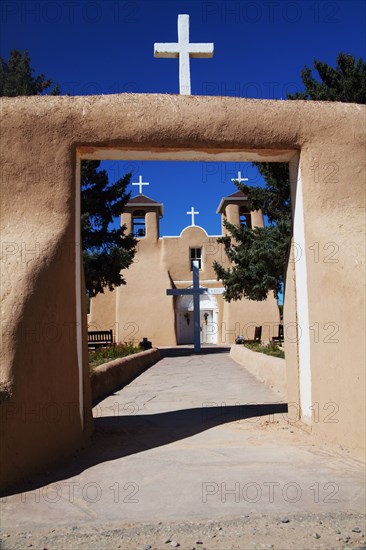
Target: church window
[139,224]
[196,254]
[245,217]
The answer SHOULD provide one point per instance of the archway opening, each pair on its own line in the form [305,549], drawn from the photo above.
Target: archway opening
[290,156]
[209,316]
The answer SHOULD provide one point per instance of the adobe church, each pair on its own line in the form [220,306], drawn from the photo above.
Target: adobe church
[142,308]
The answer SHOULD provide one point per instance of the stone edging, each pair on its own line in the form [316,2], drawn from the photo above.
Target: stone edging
[115,374]
[267,369]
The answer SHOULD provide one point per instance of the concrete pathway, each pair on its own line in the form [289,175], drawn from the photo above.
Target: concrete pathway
[194,437]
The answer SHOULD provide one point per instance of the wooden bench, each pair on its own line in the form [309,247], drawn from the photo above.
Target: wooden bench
[100,338]
[257,336]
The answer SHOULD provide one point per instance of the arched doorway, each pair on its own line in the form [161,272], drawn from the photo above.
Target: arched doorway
[208,319]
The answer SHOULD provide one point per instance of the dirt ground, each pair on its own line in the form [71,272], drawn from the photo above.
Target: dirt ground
[253,531]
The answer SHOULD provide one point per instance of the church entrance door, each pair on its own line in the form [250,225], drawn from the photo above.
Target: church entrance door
[208,319]
[185,327]
[208,327]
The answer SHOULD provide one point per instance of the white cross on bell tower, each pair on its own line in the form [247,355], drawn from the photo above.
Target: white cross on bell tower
[239,179]
[140,183]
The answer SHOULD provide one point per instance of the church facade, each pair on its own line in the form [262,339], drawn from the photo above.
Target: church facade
[142,308]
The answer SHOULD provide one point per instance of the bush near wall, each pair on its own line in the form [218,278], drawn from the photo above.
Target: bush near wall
[103,355]
[270,349]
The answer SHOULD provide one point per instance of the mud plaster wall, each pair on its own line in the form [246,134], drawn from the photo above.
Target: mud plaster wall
[41,140]
[141,308]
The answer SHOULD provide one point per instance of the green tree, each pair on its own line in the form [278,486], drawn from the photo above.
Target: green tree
[16,77]
[346,82]
[259,255]
[106,250]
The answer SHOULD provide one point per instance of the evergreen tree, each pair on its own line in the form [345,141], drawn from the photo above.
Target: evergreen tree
[346,82]
[106,251]
[16,77]
[259,255]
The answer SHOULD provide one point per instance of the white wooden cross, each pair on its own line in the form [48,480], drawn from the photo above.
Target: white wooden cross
[184,50]
[192,213]
[239,179]
[196,291]
[140,183]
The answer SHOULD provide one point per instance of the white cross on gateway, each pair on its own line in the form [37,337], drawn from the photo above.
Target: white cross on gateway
[184,50]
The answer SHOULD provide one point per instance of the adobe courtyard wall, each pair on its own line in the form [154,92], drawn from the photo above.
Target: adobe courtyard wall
[42,140]
[267,369]
[114,375]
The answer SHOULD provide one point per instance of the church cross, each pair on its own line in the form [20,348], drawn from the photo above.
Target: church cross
[196,291]
[192,213]
[239,179]
[184,50]
[140,183]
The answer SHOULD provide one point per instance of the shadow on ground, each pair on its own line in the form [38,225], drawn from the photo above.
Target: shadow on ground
[119,436]
[188,351]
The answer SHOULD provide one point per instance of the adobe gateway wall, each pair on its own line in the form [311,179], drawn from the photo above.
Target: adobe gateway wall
[45,388]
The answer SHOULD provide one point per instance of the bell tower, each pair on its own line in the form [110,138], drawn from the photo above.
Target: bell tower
[141,216]
[235,209]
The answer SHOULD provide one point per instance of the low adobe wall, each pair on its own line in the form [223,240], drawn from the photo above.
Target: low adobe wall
[113,375]
[270,370]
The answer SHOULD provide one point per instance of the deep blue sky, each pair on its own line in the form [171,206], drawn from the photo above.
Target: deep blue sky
[102,47]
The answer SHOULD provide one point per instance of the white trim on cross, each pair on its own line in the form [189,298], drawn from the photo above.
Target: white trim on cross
[239,179]
[184,50]
[192,213]
[140,183]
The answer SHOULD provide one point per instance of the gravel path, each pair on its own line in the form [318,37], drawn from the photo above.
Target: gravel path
[252,531]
